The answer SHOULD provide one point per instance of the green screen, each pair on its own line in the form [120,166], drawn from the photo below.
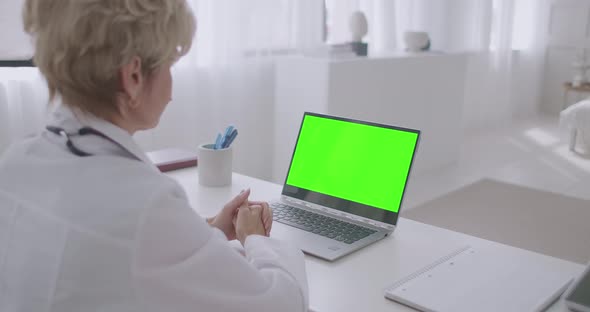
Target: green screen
[357,162]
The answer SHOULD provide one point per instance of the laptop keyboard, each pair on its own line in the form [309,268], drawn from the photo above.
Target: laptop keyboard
[319,224]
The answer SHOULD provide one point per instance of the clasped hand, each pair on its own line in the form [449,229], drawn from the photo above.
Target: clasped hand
[241,217]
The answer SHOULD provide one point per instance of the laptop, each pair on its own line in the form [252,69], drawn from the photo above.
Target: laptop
[345,184]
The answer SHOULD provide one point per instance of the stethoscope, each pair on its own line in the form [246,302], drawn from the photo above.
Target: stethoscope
[81,132]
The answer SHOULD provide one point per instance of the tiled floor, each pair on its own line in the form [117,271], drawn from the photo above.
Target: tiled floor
[531,152]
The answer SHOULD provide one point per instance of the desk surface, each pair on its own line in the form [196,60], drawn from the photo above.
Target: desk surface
[356,282]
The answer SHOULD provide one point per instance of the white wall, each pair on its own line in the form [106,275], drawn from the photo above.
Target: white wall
[203,105]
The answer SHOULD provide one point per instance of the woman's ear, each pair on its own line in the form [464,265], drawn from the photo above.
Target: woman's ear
[132,81]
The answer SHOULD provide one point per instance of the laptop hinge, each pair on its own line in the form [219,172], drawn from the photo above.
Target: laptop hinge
[335,212]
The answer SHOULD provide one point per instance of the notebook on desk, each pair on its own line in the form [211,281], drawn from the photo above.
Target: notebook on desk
[172,158]
[477,279]
[345,185]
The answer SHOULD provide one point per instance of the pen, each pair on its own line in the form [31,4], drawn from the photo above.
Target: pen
[228,132]
[217,142]
[230,139]
[225,140]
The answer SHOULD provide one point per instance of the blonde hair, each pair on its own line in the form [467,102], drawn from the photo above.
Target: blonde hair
[80,45]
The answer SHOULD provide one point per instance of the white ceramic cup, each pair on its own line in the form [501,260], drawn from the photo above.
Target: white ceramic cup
[215,166]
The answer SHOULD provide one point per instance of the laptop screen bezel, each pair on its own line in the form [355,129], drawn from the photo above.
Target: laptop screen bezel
[355,208]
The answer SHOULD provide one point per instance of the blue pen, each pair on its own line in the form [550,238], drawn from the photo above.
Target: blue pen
[217,142]
[231,138]
[226,135]
[228,130]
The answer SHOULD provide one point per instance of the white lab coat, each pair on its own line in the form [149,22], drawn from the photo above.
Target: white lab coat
[111,233]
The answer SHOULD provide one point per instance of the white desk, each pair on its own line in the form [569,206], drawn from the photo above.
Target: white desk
[356,282]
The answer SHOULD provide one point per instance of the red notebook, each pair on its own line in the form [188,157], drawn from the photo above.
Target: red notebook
[173,158]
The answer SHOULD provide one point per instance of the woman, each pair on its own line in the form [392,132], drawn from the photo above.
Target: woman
[130,240]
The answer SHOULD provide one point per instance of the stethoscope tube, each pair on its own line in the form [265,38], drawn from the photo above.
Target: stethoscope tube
[81,132]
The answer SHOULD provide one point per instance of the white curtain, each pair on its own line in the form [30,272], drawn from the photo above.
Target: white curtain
[488,89]
[505,82]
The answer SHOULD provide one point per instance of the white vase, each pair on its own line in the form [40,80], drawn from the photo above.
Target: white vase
[359,26]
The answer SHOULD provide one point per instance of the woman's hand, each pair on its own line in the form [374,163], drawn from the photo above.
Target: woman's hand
[266,215]
[249,222]
[226,219]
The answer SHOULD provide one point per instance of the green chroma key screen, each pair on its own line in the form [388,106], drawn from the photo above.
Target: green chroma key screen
[363,163]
